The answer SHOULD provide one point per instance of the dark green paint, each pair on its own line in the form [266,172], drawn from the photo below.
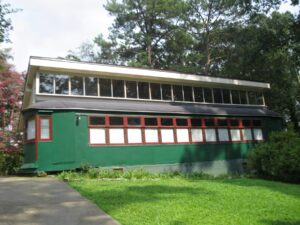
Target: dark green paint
[69,148]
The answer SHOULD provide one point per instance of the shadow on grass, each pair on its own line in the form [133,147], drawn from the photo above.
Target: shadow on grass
[120,197]
[280,222]
[284,188]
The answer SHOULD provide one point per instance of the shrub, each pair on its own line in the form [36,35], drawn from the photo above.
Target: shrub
[278,158]
[10,162]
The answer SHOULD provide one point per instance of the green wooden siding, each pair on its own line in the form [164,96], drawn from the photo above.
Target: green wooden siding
[70,148]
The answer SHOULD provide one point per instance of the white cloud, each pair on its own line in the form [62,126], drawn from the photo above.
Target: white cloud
[52,27]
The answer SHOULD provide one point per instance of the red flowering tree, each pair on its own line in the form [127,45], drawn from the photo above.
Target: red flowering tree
[11,83]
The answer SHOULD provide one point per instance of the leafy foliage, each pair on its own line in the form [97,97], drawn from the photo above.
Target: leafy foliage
[278,158]
[10,162]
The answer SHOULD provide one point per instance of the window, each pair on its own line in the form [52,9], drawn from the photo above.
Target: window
[105,87]
[167,135]
[210,135]
[45,128]
[134,135]
[243,97]
[46,83]
[62,84]
[151,135]
[116,121]
[223,134]
[198,94]
[188,93]
[76,86]
[246,123]
[257,123]
[155,91]
[151,121]
[143,88]
[131,89]
[218,95]
[166,92]
[226,96]
[209,122]
[97,136]
[134,121]
[181,122]
[97,120]
[252,97]
[182,135]
[258,134]
[234,122]
[247,134]
[235,134]
[235,97]
[222,122]
[166,121]
[116,136]
[118,88]
[30,129]
[259,98]
[196,135]
[177,93]
[208,95]
[91,86]
[196,122]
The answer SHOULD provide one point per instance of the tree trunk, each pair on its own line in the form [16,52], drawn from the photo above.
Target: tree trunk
[149,55]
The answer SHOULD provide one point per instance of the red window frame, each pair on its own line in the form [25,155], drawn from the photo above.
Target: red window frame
[49,118]
[157,127]
[128,126]
[99,126]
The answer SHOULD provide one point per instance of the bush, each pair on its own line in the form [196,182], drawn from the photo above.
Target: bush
[278,158]
[10,162]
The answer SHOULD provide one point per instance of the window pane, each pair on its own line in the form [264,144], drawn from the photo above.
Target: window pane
[198,94]
[143,90]
[235,97]
[166,92]
[197,135]
[208,95]
[243,96]
[182,135]
[188,93]
[45,128]
[247,134]
[258,134]
[235,134]
[167,135]
[61,84]
[118,88]
[210,135]
[181,122]
[252,98]
[105,87]
[259,98]
[196,122]
[97,136]
[209,122]
[151,135]
[134,135]
[223,134]
[166,121]
[226,96]
[218,95]
[151,121]
[30,129]
[155,91]
[46,83]
[76,85]
[97,120]
[246,123]
[131,89]
[177,93]
[134,121]
[91,87]
[116,136]
[257,123]
[234,122]
[222,122]
[116,120]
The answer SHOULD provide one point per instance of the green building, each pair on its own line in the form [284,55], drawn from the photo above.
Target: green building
[78,113]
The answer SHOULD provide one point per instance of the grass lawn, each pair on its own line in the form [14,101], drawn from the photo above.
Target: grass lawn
[179,201]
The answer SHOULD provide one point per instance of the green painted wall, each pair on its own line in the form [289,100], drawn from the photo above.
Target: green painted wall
[70,149]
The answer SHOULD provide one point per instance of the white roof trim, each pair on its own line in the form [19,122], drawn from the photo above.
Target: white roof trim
[47,63]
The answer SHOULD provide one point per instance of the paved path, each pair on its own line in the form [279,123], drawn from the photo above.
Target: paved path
[46,201]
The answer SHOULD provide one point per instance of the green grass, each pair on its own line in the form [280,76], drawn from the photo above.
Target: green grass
[180,201]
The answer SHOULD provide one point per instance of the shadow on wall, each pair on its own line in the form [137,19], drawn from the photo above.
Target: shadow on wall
[212,158]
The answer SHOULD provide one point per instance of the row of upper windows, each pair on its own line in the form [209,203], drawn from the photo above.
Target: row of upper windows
[91,86]
[106,130]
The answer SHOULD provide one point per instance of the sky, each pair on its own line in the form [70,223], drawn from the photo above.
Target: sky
[51,28]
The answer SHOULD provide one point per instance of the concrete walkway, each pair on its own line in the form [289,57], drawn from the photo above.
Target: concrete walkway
[46,201]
